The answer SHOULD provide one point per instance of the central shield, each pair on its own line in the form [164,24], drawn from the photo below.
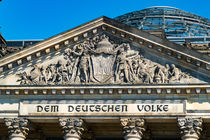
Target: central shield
[103,67]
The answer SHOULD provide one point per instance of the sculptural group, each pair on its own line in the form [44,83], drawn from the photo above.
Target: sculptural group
[98,60]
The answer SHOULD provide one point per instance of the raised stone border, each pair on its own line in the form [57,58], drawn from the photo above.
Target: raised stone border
[108,90]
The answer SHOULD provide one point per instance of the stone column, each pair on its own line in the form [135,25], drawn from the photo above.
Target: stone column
[190,128]
[73,128]
[18,128]
[133,128]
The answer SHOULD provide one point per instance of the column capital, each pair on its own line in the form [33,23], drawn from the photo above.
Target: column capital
[190,127]
[133,128]
[72,127]
[17,127]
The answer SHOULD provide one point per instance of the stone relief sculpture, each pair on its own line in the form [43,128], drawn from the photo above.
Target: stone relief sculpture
[98,60]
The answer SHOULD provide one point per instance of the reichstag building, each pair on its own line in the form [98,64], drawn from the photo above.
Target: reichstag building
[144,75]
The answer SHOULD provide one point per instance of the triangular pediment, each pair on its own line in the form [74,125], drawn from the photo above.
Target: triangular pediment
[104,51]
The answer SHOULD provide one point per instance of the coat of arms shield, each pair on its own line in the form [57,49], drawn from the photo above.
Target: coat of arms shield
[103,67]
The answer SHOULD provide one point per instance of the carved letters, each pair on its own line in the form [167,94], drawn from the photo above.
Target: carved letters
[96,61]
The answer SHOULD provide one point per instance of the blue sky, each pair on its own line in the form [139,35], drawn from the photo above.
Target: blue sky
[41,19]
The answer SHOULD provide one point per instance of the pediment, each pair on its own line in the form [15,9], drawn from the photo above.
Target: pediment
[104,52]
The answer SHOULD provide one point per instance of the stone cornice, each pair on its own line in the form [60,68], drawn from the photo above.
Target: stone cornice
[106,89]
[156,40]
[185,56]
[54,43]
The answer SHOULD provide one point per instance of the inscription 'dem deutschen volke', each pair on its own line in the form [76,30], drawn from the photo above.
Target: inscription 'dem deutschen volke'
[103,108]
[100,109]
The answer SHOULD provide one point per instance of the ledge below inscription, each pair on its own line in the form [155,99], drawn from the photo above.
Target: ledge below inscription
[101,109]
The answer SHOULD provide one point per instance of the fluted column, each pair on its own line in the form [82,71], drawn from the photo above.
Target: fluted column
[133,128]
[190,128]
[17,127]
[73,128]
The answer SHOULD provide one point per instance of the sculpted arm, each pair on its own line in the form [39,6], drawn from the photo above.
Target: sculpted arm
[78,53]
[119,47]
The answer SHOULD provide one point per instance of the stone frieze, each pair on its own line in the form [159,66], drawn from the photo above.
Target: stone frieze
[101,61]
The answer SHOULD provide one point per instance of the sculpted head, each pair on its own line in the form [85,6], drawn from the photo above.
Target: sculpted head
[36,66]
[127,46]
[59,62]
[173,66]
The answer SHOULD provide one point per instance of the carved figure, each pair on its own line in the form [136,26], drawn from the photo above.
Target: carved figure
[145,73]
[79,55]
[35,74]
[60,73]
[24,79]
[84,66]
[159,76]
[50,74]
[124,65]
[99,60]
[3,51]
[166,70]
[175,73]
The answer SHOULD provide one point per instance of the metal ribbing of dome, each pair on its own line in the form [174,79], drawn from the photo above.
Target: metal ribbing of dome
[175,22]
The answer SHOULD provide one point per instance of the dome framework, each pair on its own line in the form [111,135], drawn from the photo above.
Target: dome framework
[174,22]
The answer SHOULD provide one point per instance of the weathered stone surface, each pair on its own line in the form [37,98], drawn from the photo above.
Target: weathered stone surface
[18,127]
[99,66]
[133,128]
[73,128]
[98,61]
[101,108]
[190,128]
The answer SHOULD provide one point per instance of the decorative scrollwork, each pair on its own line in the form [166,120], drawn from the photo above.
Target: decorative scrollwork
[190,127]
[133,127]
[72,127]
[17,126]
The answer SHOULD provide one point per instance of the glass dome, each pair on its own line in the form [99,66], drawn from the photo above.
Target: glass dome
[175,22]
